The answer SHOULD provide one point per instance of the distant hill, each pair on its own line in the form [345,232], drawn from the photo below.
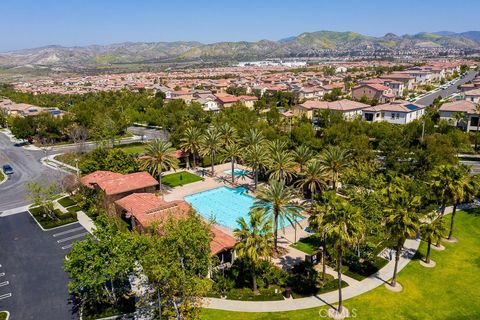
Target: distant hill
[303,45]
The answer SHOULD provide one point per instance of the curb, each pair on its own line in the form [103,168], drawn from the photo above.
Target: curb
[8,314]
[50,229]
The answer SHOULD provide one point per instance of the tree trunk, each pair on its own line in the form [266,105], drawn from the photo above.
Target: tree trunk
[194,160]
[233,169]
[340,302]
[452,220]
[212,157]
[275,231]
[160,188]
[256,178]
[397,257]
[429,244]
[476,133]
[254,280]
[324,264]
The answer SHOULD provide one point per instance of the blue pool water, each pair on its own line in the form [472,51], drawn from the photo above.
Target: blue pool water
[223,204]
[236,172]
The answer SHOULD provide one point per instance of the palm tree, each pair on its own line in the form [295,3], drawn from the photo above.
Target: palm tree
[232,152]
[277,146]
[451,185]
[344,228]
[432,231]
[314,177]
[159,156]
[281,165]
[190,142]
[228,134]
[477,111]
[277,202]
[335,160]
[211,143]
[253,137]
[402,217]
[302,155]
[255,158]
[254,241]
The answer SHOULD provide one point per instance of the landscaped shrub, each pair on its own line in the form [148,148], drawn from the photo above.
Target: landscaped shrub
[303,279]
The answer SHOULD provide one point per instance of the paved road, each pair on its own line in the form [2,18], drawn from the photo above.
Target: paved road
[426,101]
[27,167]
[33,284]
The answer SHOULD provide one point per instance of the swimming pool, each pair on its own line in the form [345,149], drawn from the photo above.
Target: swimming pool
[236,172]
[223,204]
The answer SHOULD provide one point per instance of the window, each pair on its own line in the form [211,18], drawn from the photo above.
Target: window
[383,114]
[393,115]
[473,121]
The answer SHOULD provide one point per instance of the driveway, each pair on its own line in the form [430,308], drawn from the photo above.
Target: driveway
[27,167]
[34,282]
[428,100]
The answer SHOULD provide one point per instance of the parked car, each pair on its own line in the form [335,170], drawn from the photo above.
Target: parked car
[7,169]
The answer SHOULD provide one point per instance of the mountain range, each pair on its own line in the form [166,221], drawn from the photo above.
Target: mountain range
[308,44]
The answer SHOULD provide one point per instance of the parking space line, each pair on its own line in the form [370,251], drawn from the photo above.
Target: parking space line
[4,296]
[70,238]
[68,246]
[68,231]
[4,283]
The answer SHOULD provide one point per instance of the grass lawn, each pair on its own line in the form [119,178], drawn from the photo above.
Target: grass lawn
[448,291]
[132,148]
[47,223]
[180,179]
[246,294]
[66,202]
[3,315]
[308,245]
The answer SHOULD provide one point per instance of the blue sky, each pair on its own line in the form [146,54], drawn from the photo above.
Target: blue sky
[34,23]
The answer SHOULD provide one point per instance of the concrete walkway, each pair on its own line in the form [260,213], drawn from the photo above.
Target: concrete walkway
[355,289]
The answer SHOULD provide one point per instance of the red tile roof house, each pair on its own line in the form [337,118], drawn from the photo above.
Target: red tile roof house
[373,91]
[396,112]
[227,101]
[348,108]
[142,210]
[116,185]
[449,110]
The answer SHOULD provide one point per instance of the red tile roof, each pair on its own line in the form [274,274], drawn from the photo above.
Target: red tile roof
[339,105]
[221,241]
[114,183]
[147,208]
[459,106]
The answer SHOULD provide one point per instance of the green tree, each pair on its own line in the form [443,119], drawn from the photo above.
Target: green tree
[228,134]
[335,160]
[344,228]
[232,152]
[277,202]
[191,142]
[314,177]
[254,241]
[119,161]
[401,216]
[302,154]
[42,194]
[477,112]
[159,156]
[256,158]
[177,265]
[432,230]
[211,144]
[23,127]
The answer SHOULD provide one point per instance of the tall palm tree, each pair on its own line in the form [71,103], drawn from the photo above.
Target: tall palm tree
[277,202]
[281,165]
[335,160]
[314,177]
[228,134]
[302,154]
[256,158]
[232,152]
[211,143]
[190,142]
[432,231]
[253,137]
[344,228]
[254,241]
[477,112]
[452,185]
[402,219]
[159,156]
[277,146]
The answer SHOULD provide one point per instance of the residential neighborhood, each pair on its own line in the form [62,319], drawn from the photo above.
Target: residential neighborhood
[227,161]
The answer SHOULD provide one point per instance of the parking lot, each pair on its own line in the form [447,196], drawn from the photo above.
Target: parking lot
[33,284]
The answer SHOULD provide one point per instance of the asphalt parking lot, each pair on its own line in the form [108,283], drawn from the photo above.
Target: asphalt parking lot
[33,284]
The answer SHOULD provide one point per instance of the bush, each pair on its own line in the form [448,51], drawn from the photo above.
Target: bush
[303,279]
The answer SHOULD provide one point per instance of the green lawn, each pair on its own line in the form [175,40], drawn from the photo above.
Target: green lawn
[308,245]
[47,223]
[3,315]
[448,291]
[66,202]
[180,179]
[133,148]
